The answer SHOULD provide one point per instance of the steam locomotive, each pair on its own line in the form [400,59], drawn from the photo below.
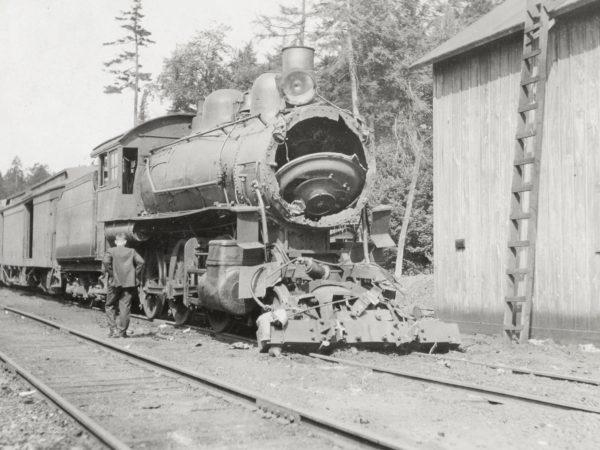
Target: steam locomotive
[255,211]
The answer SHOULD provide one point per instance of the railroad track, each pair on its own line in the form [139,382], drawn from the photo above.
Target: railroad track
[97,430]
[516,370]
[481,389]
[493,394]
[513,369]
[492,391]
[128,399]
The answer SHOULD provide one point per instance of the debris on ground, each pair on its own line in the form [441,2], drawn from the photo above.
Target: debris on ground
[26,393]
[589,348]
[27,421]
[240,346]
[540,342]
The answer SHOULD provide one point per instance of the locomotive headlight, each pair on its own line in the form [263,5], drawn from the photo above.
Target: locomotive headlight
[298,87]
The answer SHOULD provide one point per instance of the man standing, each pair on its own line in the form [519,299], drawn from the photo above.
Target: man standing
[123,267]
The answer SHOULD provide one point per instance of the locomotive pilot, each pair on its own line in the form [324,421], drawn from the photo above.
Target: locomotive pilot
[123,267]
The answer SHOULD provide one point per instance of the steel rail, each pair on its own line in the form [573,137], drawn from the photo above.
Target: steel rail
[516,370]
[521,370]
[87,422]
[265,403]
[466,386]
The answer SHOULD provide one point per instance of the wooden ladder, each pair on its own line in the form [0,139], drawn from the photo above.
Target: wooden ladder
[526,175]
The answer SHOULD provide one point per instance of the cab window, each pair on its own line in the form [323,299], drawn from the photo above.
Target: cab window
[109,167]
[113,165]
[103,178]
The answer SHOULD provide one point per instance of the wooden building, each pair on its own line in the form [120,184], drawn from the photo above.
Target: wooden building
[476,85]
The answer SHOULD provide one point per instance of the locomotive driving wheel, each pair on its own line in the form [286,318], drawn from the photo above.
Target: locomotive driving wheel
[151,298]
[153,304]
[181,313]
[176,278]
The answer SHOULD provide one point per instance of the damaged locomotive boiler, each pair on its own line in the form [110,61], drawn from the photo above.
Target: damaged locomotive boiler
[256,190]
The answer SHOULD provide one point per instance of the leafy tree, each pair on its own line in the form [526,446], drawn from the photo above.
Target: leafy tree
[126,66]
[244,68]
[474,9]
[195,69]
[2,191]
[451,16]
[387,37]
[14,178]
[37,173]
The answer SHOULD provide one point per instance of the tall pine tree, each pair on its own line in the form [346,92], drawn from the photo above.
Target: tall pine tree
[289,25]
[126,67]
[14,178]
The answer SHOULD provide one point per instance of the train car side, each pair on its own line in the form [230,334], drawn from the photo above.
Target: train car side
[28,231]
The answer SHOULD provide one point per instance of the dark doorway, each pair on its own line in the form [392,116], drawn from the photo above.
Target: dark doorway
[129,168]
[29,227]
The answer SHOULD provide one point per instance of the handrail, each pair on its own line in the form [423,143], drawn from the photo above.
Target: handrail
[204,133]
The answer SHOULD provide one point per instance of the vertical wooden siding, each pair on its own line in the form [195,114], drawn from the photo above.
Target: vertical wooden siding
[475,105]
[474,120]
[13,236]
[568,286]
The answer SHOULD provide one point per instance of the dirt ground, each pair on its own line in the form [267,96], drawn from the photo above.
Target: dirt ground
[29,421]
[394,407]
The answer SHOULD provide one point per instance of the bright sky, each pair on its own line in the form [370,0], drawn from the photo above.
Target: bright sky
[52,106]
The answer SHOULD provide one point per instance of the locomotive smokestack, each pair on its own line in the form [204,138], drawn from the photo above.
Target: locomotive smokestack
[298,58]
[297,77]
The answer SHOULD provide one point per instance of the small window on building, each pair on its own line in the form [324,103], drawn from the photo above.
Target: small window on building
[129,167]
[103,178]
[113,165]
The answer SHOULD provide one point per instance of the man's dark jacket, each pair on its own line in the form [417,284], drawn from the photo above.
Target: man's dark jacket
[124,265]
